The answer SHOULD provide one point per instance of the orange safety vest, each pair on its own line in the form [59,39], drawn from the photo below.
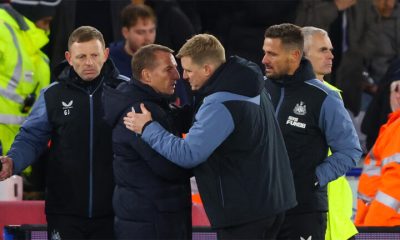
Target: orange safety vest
[378,200]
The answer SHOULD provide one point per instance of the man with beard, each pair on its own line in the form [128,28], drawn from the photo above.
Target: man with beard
[312,119]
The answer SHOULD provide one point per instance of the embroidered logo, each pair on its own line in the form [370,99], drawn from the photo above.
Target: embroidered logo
[309,238]
[300,109]
[294,121]
[55,235]
[67,107]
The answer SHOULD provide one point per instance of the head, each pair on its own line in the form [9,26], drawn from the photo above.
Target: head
[138,26]
[200,56]
[283,49]
[318,50]
[385,7]
[86,52]
[154,65]
[40,12]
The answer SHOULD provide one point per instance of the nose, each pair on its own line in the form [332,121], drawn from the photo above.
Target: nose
[175,74]
[89,61]
[185,75]
[264,60]
[148,37]
[330,55]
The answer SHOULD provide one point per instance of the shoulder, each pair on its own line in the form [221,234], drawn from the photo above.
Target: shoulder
[322,88]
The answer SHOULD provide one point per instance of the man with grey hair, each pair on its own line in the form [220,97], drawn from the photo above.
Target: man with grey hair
[318,50]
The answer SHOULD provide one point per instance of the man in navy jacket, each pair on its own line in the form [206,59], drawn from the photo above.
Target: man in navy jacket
[312,118]
[79,177]
[152,197]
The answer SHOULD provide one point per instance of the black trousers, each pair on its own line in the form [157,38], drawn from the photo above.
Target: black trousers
[266,228]
[304,226]
[72,227]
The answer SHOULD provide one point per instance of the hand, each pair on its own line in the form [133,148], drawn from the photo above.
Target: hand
[135,121]
[7,167]
[344,4]
[395,95]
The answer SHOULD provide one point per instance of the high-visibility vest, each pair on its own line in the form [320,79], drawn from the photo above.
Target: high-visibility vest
[24,69]
[340,205]
[378,200]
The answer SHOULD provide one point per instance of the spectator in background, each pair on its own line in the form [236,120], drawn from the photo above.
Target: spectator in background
[71,14]
[379,108]
[352,27]
[152,197]
[379,185]
[312,119]
[69,113]
[139,29]
[318,50]
[243,175]
[24,68]
[383,68]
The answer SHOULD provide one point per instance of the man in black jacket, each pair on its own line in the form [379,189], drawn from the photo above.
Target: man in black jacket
[152,197]
[312,118]
[69,113]
[234,145]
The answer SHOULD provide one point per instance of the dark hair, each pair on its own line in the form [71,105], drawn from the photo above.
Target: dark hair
[145,57]
[133,12]
[85,34]
[290,35]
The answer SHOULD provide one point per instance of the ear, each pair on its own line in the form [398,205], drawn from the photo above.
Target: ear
[145,76]
[125,32]
[68,57]
[208,69]
[106,53]
[296,55]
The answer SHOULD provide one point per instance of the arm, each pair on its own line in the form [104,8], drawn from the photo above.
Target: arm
[213,124]
[32,139]
[342,139]
[154,160]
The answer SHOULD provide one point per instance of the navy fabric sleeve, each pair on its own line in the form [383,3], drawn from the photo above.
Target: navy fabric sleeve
[32,138]
[342,139]
[213,124]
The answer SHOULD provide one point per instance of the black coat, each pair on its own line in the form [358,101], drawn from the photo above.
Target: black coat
[152,197]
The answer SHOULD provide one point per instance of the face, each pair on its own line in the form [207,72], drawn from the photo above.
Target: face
[385,7]
[276,58]
[142,34]
[44,23]
[162,78]
[197,75]
[87,58]
[320,54]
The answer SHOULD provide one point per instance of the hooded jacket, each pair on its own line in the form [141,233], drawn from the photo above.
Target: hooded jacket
[235,146]
[147,185]
[312,119]
[79,170]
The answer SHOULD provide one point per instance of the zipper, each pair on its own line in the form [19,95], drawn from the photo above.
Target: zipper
[278,107]
[221,191]
[91,129]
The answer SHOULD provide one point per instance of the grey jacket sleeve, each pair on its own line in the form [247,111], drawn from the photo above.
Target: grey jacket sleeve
[33,137]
